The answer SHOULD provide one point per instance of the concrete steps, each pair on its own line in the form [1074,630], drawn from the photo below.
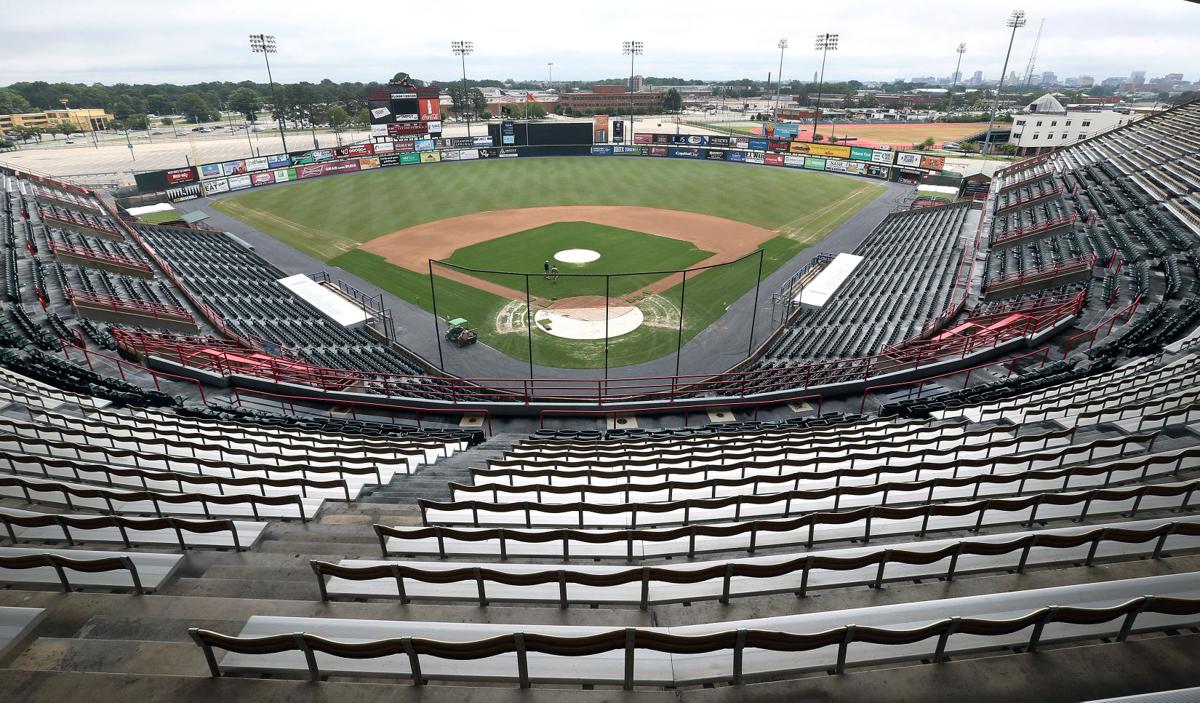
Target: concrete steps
[430,481]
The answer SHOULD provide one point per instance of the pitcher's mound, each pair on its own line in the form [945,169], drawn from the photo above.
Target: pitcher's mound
[577,256]
[583,318]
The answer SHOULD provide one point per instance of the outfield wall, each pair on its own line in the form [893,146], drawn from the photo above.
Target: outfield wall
[205,180]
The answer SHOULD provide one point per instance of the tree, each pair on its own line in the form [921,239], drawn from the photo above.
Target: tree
[137,122]
[925,144]
[363,117]
[672,101]
[337,117]
[195,107]
[246,102]
[167,121]
[12,102]
[534,110]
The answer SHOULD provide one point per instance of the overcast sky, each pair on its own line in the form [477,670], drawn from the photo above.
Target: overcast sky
[134,41]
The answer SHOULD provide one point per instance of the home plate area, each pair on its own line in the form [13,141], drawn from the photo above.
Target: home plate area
[583,317]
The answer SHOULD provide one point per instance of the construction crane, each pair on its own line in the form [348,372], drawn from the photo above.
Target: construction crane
[1033,55]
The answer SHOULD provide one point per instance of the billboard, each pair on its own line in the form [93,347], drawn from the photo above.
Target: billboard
[757,144]
[934,163]
[718,141]
[263,178]
[690,140]
[284,175]
[659,151]
[353,151]
[407,129]
[278,161]
[837,152]
[643,138]
[601,150]
[385,147]
[429,109]
[793,160]
[716,155]
[618,130]
[468,154]
[785,130]
[405,146]
[778,145]
[599,129]
[210,171]
[368,162]
[690,152]
[481,141]
[878,156]
[424,145]
[181,175]
[508,133]
[735,156]
[814,162]
[773,159]
[378,130]
[907,158]
[314,156]
[429,157]
[877,171]
[216,185]
[389,160]
[234,168]
[413,158]
[449,155]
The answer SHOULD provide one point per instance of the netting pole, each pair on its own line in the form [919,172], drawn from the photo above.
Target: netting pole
[437,333]
[607,279]
[529,324]
[754,310]
[679,338]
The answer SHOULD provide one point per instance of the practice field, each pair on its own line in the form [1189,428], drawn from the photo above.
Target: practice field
[639,214]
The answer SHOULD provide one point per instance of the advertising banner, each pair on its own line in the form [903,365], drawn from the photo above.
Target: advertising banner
[353,151]
[341,166]
[406,129]
[681,152]
[599,129]
[468,154]
[815,163]
[182,193]
[598,150]
[424,145]
[716,155]
[757,144]
[434,126]
[508,133]
[877,171]
[861,153]
[881,156]
[456,143]
[837,152]
[740,142]
[481,141]
[262,178]
[643,138]
[258,163]
[278,161]
[405,146]
[314,156]
[210,171]
[368,162]
[216,185]
[429,157]
[429,109]
[907,158]
[380,112]
[659,151]
[234,168]
[793,160]
[785,130]
[618,131]
[690,140]
[718,141]
[735,156]
[378,130]
[778,145]
[309,170]
[856,168]
[772,159]
[284,175]
[385,147]
[629,150]
[389,160]
[934,163]
[755,157]
[508,153]
[448,155]
[181,175]
[835,165]
[663,139]
[410,158]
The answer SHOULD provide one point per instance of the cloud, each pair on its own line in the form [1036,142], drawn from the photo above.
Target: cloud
[137,41]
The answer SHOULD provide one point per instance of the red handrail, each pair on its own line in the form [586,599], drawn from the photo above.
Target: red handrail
[88,354]
[127,305]
[920,383]
[417,411]
[756,404]
[105,257]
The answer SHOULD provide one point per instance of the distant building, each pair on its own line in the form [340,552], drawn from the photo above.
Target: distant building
[1086,81]
[1112,82]
[977,78]
[1045,124]
[1138,78]
[637,84]
[1049,78]
[82,120]
[611,99]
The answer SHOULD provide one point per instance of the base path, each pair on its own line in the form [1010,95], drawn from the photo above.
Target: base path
[412,247]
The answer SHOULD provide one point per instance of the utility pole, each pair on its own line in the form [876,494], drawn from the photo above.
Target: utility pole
[549,74]
[1016,20]
[825,44]
[265,44]
[462,49]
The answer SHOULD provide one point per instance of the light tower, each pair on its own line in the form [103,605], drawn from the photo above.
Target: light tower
[632,49]
[962,49]
[462,49]
[1016,20]
[825,44]
[783,44]
[265,44]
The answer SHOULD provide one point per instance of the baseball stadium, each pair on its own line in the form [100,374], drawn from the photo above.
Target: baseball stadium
[524,411]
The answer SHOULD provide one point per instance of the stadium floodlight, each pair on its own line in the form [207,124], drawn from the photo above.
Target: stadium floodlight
[1015,21]
[962,49]
[265,44]
[782,44]
[632,49]
[462,49]
[825,44]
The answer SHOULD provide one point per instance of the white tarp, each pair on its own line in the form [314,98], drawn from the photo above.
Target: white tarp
[147,209]
[334,306]
[822,288]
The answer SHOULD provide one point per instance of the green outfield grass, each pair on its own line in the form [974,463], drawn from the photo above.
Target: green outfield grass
[154,218]
[621,251]
[328,217]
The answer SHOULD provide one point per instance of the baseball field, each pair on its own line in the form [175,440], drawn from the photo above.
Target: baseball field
[490,223]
